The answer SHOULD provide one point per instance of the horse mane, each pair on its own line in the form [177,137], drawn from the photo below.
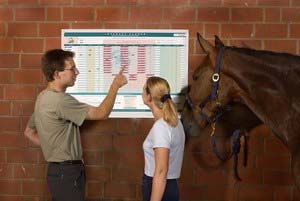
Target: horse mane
[285,60]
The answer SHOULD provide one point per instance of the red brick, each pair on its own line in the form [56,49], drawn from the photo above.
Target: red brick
[254,44]
[144,126]
[15,92]
[10,124]
[222,193]
[283,193]
[213,14]
[146,14]
[29,171]
[27,77]
[213,177]
[291,14]
[11,197]
[101,142]
[122,2]
[99,126]
[289,46]
[6,14]
[29,14]
[56,2]
[272,14]
[239,3]
[9,60]
[124,190]
[255,193]
[4,108]
[271,30]
[237,30]
[35,188]
[112,14]
[180,15]
[5,45]
[54,14]
[2,30]
[247,14]
[151,26]
[10,187]
[210,30]
[278,178]
[273,2]
[3,156]
[82,14]
[95,189]
[31,61]
[22,29]
[192,192]
[193,28]
[1,92]
[128,142]
[98,173]
[127,175]
[89,2]
[5,76]
[22,2]
[173,3]
[93,157]
[127,126]
[295,30]
[6,171]
[88,25]
[28,45]
[22,155]
[12,140]
[295,3]
[111,158]
[207,3]
[52,29]
[21,108]
[131,159]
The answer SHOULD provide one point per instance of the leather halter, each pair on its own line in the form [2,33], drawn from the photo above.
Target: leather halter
[213,95]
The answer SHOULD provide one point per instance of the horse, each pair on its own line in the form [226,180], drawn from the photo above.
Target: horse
[266,82]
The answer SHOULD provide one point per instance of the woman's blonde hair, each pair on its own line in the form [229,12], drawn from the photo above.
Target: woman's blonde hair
[159,90]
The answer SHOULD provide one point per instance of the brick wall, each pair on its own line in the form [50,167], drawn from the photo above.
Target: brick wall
[113,148]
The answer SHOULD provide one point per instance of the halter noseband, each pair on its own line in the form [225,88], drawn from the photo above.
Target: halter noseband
[214,92]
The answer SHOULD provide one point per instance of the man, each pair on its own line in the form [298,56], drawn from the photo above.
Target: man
[54,125]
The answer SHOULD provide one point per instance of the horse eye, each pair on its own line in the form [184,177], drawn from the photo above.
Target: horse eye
[195,77]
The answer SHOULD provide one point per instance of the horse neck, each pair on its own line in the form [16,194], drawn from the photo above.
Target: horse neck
[259,84]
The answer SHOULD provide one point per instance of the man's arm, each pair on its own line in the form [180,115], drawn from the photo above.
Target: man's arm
[32,135]
[103,110]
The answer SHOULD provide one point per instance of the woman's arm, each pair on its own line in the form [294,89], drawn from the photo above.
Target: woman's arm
[160,173]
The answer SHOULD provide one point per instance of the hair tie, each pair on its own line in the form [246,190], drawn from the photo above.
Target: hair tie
[165,97]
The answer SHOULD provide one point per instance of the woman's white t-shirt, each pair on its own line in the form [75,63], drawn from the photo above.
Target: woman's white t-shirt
[166,136]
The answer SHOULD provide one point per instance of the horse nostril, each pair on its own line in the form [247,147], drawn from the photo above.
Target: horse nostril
[195,77]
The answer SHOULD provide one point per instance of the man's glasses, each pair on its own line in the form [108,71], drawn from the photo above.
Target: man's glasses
[74,69]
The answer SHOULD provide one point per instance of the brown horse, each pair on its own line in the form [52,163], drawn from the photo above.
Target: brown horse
[266,82]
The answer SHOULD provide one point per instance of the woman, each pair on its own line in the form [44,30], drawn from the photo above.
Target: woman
[164,145]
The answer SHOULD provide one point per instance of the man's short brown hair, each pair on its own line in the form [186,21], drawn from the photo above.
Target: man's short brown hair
[54,60]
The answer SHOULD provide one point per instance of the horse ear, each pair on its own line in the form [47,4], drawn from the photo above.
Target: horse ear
[218,43]
[206,46]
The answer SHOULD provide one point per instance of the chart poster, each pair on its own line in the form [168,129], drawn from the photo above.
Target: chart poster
[100,54]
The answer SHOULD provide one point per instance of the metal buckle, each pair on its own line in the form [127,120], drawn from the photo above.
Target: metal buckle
[215,77]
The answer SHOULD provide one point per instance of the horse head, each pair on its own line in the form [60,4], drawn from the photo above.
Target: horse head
[209,95]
